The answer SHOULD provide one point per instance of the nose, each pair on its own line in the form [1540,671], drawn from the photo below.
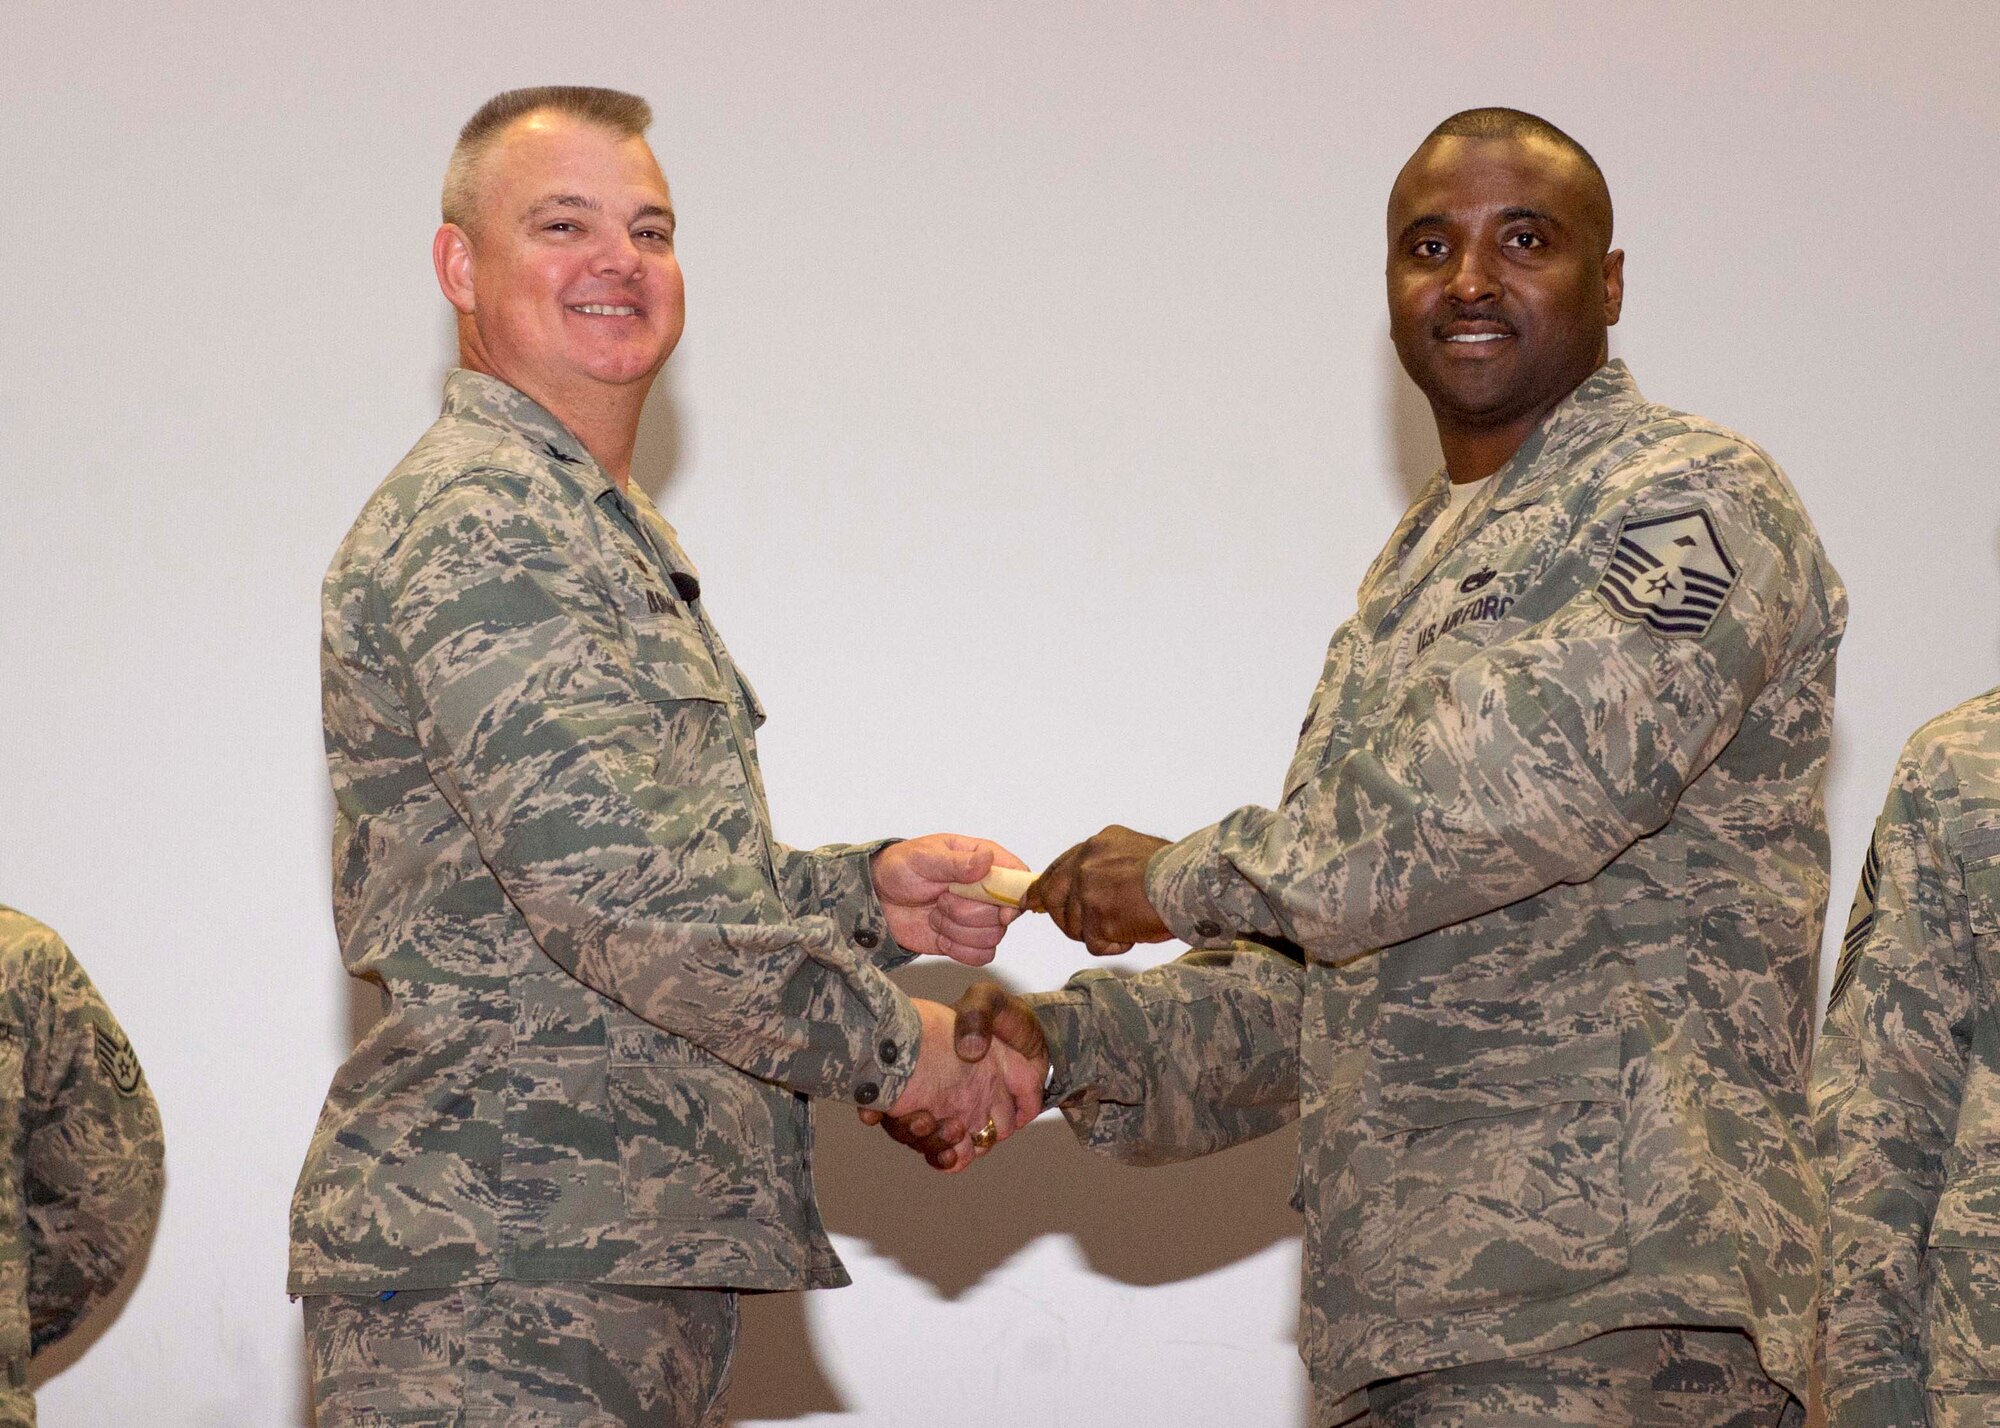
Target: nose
[619,257]
[1474,278]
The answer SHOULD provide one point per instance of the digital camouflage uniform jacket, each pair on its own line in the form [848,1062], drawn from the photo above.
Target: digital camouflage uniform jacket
[1906,1096]
[1554,846]
[80,1181]
[609,989]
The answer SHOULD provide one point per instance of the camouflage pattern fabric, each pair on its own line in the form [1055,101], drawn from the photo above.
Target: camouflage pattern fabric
[521,1356]
[1154,1110]
[1554,846]
[1632,1378]
[1906,1096]
[609,988]
[81,1178]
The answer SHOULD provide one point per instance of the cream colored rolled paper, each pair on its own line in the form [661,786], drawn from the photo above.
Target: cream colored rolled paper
[1004,887]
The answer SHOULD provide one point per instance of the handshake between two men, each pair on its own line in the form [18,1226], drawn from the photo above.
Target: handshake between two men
[963,1101]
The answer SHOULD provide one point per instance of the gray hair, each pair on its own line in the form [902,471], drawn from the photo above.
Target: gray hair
[626,115]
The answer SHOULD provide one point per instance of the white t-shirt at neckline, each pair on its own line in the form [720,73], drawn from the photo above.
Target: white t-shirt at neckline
[1458,495]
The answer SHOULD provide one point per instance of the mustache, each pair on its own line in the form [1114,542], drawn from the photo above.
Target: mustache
[1472,314]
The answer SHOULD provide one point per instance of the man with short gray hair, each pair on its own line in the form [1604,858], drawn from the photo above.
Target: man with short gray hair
[583,1123]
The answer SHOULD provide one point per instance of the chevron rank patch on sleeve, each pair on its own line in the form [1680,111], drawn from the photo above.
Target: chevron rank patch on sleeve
[1669,572]
[118,1062]
[1860,922]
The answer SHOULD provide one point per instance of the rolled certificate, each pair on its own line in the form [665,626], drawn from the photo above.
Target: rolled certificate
[1004,887]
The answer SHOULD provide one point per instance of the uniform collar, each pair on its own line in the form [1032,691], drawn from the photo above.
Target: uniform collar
[1601,403]
[474,396]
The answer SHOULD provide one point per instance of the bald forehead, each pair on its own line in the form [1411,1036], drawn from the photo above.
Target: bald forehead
[1451,174]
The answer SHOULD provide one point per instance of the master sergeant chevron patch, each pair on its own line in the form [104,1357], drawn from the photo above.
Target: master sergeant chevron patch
[1669,572]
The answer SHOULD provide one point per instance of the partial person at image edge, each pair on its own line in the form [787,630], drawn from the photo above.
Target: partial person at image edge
[1906,1096]
[84,1156]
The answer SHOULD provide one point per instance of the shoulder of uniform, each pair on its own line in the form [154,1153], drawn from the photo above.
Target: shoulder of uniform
[454,456]
[1973,726]
[1665,456]
[1668,439]
[23,938]
[35,965]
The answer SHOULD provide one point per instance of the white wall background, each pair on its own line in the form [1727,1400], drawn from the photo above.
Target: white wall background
[1034,425]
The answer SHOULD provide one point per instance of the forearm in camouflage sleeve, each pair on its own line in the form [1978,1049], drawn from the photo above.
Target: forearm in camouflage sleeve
[1887,1078]
[1534,761]
[653,890]
[94,1162]
[1183,1060]
[835,882]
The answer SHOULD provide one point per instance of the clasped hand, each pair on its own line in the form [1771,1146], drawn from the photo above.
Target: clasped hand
[959,1090]
[912,882]
[981,1066]
[1002,1060]
[1096,892]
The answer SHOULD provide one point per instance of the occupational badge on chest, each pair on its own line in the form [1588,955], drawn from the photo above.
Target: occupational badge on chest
[1669,573]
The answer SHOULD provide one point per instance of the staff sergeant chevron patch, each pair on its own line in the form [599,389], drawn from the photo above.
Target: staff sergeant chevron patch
[1670,572]
[117,1061]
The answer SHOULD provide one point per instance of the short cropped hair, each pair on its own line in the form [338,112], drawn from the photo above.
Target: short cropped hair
[1499,123]
[626,115]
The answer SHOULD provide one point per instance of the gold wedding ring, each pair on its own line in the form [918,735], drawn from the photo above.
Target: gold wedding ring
[987,1136]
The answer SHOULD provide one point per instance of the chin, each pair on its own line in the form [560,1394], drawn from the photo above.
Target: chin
[622,369]
[1454,392]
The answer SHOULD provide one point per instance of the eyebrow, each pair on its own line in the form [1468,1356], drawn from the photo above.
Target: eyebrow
[591,205]
[1507,215]
[1426,220]
[563,200]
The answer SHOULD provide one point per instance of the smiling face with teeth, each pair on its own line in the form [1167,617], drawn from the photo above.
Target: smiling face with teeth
[1501,287]
[565,280]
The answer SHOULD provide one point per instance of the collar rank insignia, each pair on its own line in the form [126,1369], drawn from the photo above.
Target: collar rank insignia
[115,1058]
[1669,573]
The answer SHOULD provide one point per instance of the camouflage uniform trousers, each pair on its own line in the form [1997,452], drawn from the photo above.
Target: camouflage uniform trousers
[1631,1378]
[521,1355]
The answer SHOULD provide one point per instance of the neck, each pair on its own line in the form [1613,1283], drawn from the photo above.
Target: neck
[1475,449]
[1475,455]
[606,422]
[604,417]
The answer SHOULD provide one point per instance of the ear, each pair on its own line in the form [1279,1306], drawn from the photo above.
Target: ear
[451,255]
[1614,285]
